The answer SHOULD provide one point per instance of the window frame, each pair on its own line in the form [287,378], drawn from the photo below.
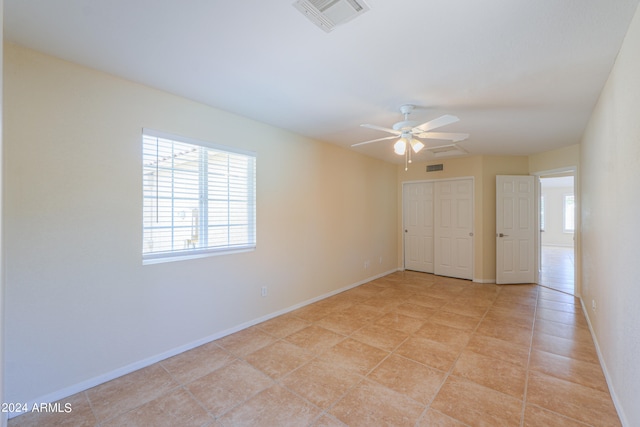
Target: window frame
[565,197]
[202,191]
[543,222]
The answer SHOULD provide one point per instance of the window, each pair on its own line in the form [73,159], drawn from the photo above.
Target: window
[569,213]
[199,198]
[542,213]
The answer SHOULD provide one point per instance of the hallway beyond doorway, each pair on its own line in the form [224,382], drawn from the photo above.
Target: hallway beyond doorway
[558,268]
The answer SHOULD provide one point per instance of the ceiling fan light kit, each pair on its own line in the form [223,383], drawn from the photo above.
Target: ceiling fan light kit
[408,132]
[416,145]
[400,146]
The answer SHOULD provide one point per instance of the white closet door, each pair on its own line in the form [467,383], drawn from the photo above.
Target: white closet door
[418,226]
[453,228]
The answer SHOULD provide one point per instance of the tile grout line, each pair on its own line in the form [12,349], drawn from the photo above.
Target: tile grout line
[557,290]
[363,377]
[316,356]
[86,396]
[236,357]
[531,349]
[167,392]
[390,353]
[450,371]
[526,381]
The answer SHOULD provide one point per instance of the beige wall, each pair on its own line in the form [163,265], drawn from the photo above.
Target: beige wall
[81,307]
[483,169]
[610,212]
[555,159]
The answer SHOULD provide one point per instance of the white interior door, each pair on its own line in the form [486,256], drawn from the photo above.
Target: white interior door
[515,229]
[453,228]
[418,226]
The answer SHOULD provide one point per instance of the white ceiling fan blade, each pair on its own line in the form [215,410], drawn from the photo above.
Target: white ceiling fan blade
[455,137]
[436,123]
[374,140]
[374,127]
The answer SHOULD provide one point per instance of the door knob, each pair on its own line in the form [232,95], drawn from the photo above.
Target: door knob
[503,235]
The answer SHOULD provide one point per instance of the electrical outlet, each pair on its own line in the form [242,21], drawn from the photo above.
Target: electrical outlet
[593,304]
[367,263]
[264,291]
[380,260]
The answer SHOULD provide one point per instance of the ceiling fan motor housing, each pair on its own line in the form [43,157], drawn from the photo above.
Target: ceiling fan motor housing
[405,125]
[407,109]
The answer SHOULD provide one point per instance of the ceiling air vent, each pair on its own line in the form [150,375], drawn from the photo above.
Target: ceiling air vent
[327,14]
[435,168]
[447,150]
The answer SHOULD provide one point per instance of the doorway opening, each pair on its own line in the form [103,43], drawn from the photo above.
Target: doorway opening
[557,219]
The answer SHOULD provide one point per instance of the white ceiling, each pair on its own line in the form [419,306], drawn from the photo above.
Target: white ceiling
[522,75]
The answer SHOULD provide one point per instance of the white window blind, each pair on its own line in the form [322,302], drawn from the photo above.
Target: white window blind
[199,198]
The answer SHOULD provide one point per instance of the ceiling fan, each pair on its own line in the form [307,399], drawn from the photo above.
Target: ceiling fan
[410,132]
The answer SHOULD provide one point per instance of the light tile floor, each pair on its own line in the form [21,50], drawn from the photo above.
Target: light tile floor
[558,268]
[408,349]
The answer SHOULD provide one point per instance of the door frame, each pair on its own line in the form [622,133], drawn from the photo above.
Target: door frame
[473,212]
[576,234]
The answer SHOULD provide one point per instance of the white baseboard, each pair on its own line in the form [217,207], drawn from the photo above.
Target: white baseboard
[607,377]
[101,379]
[474,280]
[488,281]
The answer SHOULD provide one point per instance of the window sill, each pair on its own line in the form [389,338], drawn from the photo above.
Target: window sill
[159,259]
